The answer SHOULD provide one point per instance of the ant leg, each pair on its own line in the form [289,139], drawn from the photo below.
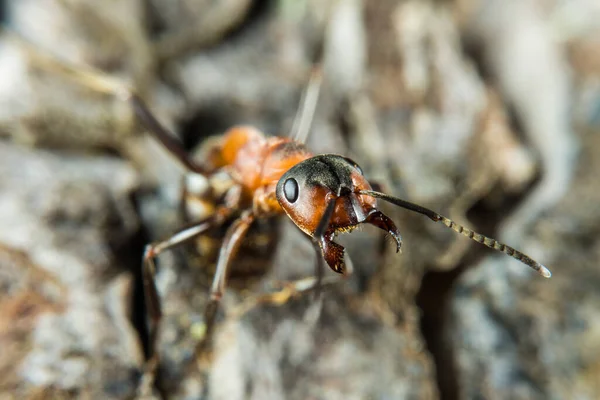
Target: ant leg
[284,291]
[231,243]
[151,293]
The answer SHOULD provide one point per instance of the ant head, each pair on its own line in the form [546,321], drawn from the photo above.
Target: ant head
[328,193]
[306,189]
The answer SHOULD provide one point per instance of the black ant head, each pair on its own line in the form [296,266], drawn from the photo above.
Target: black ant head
[305,191]
[328,193]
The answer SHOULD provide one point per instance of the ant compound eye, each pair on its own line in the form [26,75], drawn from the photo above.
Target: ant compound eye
[290,190]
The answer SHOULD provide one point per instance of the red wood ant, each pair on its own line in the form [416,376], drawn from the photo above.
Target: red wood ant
[322,194]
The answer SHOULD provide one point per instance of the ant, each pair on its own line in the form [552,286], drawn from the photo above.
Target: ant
[322,194]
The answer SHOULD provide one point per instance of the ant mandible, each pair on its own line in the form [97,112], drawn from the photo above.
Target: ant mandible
[322,194]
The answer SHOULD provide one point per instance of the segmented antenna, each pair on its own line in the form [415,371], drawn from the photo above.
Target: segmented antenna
[88,76]
[478,237]
[101,82]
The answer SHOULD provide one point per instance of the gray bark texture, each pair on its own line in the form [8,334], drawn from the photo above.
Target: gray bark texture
[487,111]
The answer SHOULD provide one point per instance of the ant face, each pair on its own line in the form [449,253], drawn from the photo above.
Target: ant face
[305,190]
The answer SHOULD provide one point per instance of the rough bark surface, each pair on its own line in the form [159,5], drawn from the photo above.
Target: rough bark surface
[487,111]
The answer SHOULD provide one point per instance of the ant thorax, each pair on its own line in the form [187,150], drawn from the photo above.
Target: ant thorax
[201,197]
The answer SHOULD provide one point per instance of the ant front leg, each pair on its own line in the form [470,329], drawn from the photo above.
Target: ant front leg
[231,243]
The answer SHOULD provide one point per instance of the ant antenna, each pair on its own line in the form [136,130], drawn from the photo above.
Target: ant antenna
[478,237]
[101,82]
[308,105]
[86,75]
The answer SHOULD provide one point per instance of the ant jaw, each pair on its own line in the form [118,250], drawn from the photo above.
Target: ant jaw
[333,254]
[383,222]
[379,220]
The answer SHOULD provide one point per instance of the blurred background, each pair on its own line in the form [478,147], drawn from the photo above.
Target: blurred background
[487,111]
